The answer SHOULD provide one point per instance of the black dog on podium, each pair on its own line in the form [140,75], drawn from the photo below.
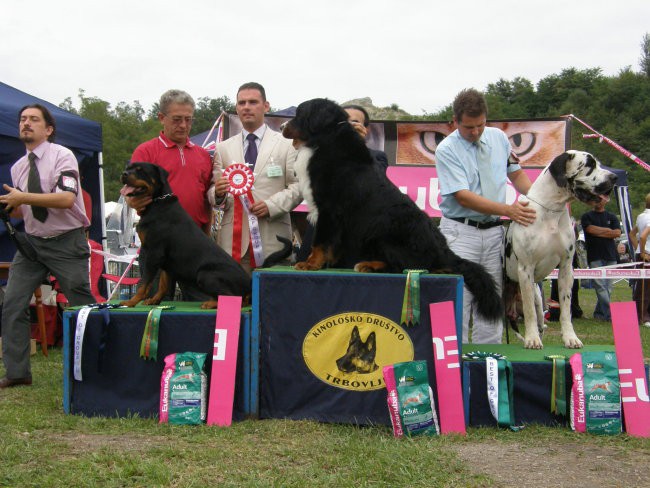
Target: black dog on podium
[176,245]
[362,214]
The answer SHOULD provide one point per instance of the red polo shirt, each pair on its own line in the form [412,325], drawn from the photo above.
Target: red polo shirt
[190,172]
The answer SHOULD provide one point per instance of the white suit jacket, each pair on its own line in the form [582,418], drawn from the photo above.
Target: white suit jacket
[280,193]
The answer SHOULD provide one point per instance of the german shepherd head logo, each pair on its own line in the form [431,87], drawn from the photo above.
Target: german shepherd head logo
[360,356]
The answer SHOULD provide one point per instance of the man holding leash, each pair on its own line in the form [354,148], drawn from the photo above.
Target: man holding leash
[472,164]
[189,167]
[275,190]
[47,194]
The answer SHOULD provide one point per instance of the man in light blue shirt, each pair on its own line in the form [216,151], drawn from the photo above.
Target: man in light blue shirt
[473,163]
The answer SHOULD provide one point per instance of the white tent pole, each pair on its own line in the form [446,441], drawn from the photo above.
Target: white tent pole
[101,211]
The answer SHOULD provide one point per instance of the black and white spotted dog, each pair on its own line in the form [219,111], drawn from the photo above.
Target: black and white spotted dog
[532,252]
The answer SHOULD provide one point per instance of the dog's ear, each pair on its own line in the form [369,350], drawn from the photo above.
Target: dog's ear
[355,337]
[371,342]
[557,168]
[162,175]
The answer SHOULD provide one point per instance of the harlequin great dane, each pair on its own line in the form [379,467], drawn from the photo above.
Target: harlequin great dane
[532,252]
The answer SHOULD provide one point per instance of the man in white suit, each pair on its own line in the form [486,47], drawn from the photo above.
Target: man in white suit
[275,190]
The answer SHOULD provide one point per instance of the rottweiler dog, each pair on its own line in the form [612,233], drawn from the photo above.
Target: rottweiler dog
[176,245]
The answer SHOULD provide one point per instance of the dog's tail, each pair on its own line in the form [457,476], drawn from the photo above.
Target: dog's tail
[481,284]
[279,256]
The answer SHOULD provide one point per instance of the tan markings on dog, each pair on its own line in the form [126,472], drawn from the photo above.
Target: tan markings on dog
[369,266]
[163,286]
[316,260]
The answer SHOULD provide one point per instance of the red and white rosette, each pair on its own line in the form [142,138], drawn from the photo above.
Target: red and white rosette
[241,181]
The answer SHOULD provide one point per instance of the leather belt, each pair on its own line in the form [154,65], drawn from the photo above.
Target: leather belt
[477,224]
[58,236]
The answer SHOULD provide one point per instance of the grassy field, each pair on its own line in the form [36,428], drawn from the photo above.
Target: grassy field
[43,447]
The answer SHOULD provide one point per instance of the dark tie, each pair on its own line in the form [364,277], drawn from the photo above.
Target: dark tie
[251,151]
[34,186]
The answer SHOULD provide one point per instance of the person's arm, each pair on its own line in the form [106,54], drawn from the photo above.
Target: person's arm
[632,237]
[517,211]
[520,181]
[644,238]
[604,232]
[15,198]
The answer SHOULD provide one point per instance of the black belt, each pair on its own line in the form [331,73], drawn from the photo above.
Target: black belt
[475,223]
[58,236]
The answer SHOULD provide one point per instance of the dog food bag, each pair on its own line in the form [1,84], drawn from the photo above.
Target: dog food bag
[417,412]
[393,400]
[602,392]
[183,388]
[577,406]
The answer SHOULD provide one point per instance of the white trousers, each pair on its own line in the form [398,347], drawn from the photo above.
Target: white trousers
[482,247]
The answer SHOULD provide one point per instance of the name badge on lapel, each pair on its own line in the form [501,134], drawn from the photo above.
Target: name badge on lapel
[273,170]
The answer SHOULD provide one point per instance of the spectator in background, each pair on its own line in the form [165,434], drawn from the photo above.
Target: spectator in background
[642,253]
[360,120]
[601,229]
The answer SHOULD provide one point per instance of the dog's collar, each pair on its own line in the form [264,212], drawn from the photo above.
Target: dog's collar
[545,207]
[163,197]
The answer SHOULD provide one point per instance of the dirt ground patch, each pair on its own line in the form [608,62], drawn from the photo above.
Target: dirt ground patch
[570,465]
[80,443]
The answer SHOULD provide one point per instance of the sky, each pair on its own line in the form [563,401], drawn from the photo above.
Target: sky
[417,54]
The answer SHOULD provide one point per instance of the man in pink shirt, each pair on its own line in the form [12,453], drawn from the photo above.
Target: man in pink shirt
[47,195]
[189,167]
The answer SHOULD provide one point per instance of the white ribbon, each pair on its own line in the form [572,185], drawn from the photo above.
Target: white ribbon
[492,371]
[256,236]
[80,330]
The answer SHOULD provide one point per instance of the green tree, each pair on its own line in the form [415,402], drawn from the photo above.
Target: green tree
[644,60]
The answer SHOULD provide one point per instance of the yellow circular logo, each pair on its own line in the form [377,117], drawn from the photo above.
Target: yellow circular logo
[348,350]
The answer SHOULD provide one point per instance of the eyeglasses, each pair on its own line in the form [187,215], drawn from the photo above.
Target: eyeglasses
[178,120]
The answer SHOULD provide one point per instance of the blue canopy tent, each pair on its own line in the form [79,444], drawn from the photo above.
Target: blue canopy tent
[83,137]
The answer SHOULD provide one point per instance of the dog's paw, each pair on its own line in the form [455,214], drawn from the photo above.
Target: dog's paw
[533,343]
[306,266]
[210,304]
[152,301]
[128,303]
[571,341]
[369,266]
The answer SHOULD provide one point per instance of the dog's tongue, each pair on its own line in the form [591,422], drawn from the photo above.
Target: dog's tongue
[604,198]
[127,190]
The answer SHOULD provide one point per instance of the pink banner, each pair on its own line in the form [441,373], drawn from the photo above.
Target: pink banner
[446,358]
[224,361]
[631,371]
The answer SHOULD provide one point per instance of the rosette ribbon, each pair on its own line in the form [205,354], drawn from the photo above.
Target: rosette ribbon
[241,180]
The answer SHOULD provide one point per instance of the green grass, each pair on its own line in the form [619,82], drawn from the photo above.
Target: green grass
[41,446]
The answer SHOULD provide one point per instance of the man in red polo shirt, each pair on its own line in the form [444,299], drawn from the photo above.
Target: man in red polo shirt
[189,166]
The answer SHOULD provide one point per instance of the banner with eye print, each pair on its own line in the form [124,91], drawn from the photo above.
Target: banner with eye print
[411,150]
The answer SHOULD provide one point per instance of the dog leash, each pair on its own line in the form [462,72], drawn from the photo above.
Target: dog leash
[563,209]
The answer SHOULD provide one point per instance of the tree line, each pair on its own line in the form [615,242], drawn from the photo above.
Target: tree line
[616,106]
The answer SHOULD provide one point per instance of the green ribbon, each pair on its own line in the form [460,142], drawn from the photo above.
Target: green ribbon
[411,303]
[480,355]
[149,343]
[558,384]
